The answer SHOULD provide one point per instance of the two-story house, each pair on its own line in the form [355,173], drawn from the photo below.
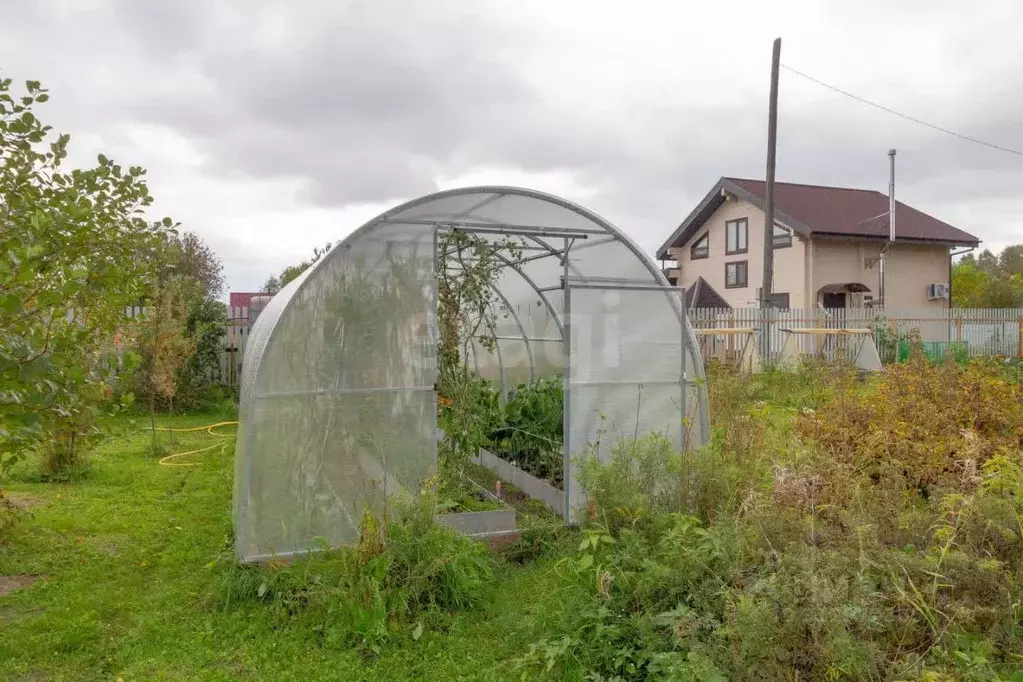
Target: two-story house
[827,242]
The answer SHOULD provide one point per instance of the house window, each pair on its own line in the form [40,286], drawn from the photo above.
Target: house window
[782,238]
[736,233]
[736,274]
[701,249]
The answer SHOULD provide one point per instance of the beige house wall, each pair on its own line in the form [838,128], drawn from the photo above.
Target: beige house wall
[910,269]
[789,263]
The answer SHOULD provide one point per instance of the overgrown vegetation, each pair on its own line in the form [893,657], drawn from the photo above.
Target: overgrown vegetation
[873,535]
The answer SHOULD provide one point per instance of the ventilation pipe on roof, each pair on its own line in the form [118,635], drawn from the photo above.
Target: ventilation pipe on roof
[891,229]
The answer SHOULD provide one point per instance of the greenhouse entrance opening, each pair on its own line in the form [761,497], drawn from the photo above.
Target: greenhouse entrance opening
[482,316]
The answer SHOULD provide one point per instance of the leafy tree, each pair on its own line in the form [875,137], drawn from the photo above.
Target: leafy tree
[969,285]
[197,263]
[1010,261]
[278,282]
[75,249]
[166,345]
[989,280]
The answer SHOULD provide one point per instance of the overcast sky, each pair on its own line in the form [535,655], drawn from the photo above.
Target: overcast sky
[270,127]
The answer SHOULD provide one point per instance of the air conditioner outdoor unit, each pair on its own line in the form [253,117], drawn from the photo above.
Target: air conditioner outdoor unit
[937,291]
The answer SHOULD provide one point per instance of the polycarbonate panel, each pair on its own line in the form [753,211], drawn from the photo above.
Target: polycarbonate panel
[625,374]
[344,352]
[517,362]
[330,464]
[518,209]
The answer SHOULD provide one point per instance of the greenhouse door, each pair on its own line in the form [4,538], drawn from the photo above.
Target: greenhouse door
[625,373]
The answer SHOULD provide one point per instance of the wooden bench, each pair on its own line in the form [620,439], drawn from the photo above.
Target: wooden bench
[865,352]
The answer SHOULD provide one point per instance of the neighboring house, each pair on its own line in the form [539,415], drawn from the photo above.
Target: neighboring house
[827,241]
[240,299]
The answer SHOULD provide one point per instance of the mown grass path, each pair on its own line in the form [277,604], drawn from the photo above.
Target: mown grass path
[126,585]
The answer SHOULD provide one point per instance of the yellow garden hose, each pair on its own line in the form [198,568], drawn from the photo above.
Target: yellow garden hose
[208,429]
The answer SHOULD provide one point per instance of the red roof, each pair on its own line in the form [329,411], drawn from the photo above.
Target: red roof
[241,299]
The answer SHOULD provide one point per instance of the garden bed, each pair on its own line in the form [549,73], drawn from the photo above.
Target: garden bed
[536,488]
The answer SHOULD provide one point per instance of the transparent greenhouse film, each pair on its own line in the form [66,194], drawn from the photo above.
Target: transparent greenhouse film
[353,350]
[625,374]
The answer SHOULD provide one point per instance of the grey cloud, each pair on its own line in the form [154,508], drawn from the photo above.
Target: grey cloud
[373,101]
[363,106]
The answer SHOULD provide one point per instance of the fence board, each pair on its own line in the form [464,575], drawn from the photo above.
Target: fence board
[984,331]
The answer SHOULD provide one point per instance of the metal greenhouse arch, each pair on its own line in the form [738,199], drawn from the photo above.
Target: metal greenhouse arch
[338,404]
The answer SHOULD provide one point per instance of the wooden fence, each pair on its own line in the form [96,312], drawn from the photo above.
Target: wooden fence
[236,335]
[980,331]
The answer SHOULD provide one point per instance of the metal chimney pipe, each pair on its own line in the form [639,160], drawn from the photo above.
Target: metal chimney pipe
[891,195]
[891,229]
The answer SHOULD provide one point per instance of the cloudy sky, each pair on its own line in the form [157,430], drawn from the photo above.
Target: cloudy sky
[270,127]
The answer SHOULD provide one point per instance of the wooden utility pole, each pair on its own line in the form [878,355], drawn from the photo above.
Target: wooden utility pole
[772,143]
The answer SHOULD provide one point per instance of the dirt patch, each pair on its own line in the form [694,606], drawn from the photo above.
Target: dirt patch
[12,583]
[107,546]
[32,677]
[24,500]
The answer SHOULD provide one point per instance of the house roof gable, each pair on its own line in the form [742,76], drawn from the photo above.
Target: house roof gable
[816,209]
[703,295]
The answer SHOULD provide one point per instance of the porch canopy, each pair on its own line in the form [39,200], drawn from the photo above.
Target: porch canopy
[338,405]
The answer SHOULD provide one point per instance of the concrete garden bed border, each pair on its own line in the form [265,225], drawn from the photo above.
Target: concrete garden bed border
[534,487]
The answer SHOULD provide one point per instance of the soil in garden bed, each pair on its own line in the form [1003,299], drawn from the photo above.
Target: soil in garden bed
[510,495]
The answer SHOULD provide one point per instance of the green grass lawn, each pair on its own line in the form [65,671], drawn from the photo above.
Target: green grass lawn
[125,561]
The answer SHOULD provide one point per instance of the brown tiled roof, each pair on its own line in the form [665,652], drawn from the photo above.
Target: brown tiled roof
[815,209]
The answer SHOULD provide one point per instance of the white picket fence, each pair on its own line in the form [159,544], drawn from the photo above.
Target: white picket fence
[982,331]
[236,335]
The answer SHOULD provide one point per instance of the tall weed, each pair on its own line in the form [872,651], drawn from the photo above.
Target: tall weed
[398,578]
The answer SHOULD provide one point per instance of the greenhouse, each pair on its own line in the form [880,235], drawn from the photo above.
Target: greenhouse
[497,287]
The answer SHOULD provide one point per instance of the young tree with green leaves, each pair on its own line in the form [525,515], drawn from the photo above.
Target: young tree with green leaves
[75,249]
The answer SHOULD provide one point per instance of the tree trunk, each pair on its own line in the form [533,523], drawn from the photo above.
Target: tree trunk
[152,417]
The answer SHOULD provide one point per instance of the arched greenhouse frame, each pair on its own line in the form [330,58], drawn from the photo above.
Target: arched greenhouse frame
[339,403]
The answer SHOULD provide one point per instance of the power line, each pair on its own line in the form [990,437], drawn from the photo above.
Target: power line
[902,115]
